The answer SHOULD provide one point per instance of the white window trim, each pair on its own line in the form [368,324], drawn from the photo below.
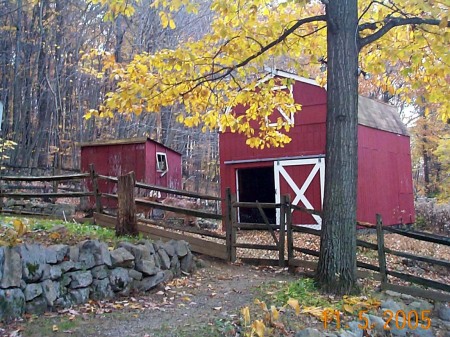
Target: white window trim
[164,155]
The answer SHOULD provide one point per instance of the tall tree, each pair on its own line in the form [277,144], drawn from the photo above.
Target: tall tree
[223,68]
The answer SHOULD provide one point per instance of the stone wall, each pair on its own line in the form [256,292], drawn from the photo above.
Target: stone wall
[39,207]
[36,278]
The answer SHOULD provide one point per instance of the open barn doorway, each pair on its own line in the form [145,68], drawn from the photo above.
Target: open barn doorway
[256,184]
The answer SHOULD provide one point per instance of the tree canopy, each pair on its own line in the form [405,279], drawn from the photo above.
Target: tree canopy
[208,76]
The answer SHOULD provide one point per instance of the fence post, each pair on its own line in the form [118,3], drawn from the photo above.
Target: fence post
[281,240]
[289,236]
[98,203]
[228,222]
[381,251]
[230,218]
[55,185]
[126,223]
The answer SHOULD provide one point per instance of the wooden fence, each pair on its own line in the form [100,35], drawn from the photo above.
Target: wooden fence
[283,242]
[224,246]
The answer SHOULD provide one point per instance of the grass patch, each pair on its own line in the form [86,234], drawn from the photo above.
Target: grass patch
[50,231]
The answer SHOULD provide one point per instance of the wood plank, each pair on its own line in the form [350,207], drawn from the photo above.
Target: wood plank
[439,262]
[420,235]
[255,205]
[267,223]
[49,195]
[306,210]
[307,251]
[184,229]
[419,280]
[313,265]
[47,178]
[381,251]
[105,220]
[198,245]
[365,244]
[255,246]
[261,262]
[306,230]
[418,292]
[254,226]
[167,190]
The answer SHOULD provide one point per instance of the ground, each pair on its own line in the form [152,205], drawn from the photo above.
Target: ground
[204,304]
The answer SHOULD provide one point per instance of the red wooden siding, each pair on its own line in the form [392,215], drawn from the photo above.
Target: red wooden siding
[115,158]
[384,171]
[384,177]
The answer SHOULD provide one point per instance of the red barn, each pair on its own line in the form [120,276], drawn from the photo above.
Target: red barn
[152,162]
[298,169]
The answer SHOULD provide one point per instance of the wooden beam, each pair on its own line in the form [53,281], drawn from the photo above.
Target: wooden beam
[43,195]
[47,178]
[439,262]
[198,245]
[420,236]
[418,292]
[255,246]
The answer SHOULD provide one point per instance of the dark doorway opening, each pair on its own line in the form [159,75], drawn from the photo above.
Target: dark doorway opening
[256,184]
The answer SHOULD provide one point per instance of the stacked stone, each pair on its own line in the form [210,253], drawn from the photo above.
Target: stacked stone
[58,210]
[35,278]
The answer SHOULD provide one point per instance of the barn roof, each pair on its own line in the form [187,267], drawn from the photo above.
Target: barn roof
[137,140]
[371,113]
[380,116]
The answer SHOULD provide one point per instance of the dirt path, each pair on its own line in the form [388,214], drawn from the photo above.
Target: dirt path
[201,305]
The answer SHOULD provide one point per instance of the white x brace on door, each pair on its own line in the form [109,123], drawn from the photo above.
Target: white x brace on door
[317,167]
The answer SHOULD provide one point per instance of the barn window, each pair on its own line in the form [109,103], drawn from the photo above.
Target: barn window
[161,162]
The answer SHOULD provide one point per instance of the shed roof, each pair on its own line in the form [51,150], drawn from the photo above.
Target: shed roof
[380,116]
[371,113]
[137,140]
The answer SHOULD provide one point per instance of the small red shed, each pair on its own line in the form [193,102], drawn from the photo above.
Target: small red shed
[384,162]
[152,162]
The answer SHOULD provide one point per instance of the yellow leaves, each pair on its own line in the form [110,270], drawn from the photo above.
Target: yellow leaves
[166,20]
[13,233]
[259,328]
[293,303]
[245,312]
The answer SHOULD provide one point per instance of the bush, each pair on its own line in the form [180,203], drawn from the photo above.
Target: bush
[433,216]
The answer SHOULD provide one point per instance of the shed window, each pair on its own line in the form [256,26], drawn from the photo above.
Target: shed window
[161,162]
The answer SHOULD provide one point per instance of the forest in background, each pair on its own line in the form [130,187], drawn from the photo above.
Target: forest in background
[46,93]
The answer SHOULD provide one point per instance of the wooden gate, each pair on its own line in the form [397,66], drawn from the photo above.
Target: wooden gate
[277,231]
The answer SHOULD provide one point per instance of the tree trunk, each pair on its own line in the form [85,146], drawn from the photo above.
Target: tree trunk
[337,262]
[126,216]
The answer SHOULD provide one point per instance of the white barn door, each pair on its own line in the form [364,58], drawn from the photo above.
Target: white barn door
[300,177]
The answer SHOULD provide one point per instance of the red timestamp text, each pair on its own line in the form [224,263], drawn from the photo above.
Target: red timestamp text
[401,319]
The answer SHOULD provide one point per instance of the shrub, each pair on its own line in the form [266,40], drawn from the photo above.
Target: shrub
[433,216]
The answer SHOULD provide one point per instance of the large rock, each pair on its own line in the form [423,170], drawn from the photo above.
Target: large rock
[33,261]
[93,253]
[51,291]
[101,289]
[79,296]
[36,306]
[169,248]
[175,265]
[148,266]
[140,253]
[61,251]
[12,303]
[10,268]
[187,263]
[119,279]
[181,248]
[100,272]
[150,282]
[32,290]
[121,257]
[80,279]
[164,258]
[443,312]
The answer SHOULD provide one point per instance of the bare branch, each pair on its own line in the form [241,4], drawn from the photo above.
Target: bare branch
[392,22]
